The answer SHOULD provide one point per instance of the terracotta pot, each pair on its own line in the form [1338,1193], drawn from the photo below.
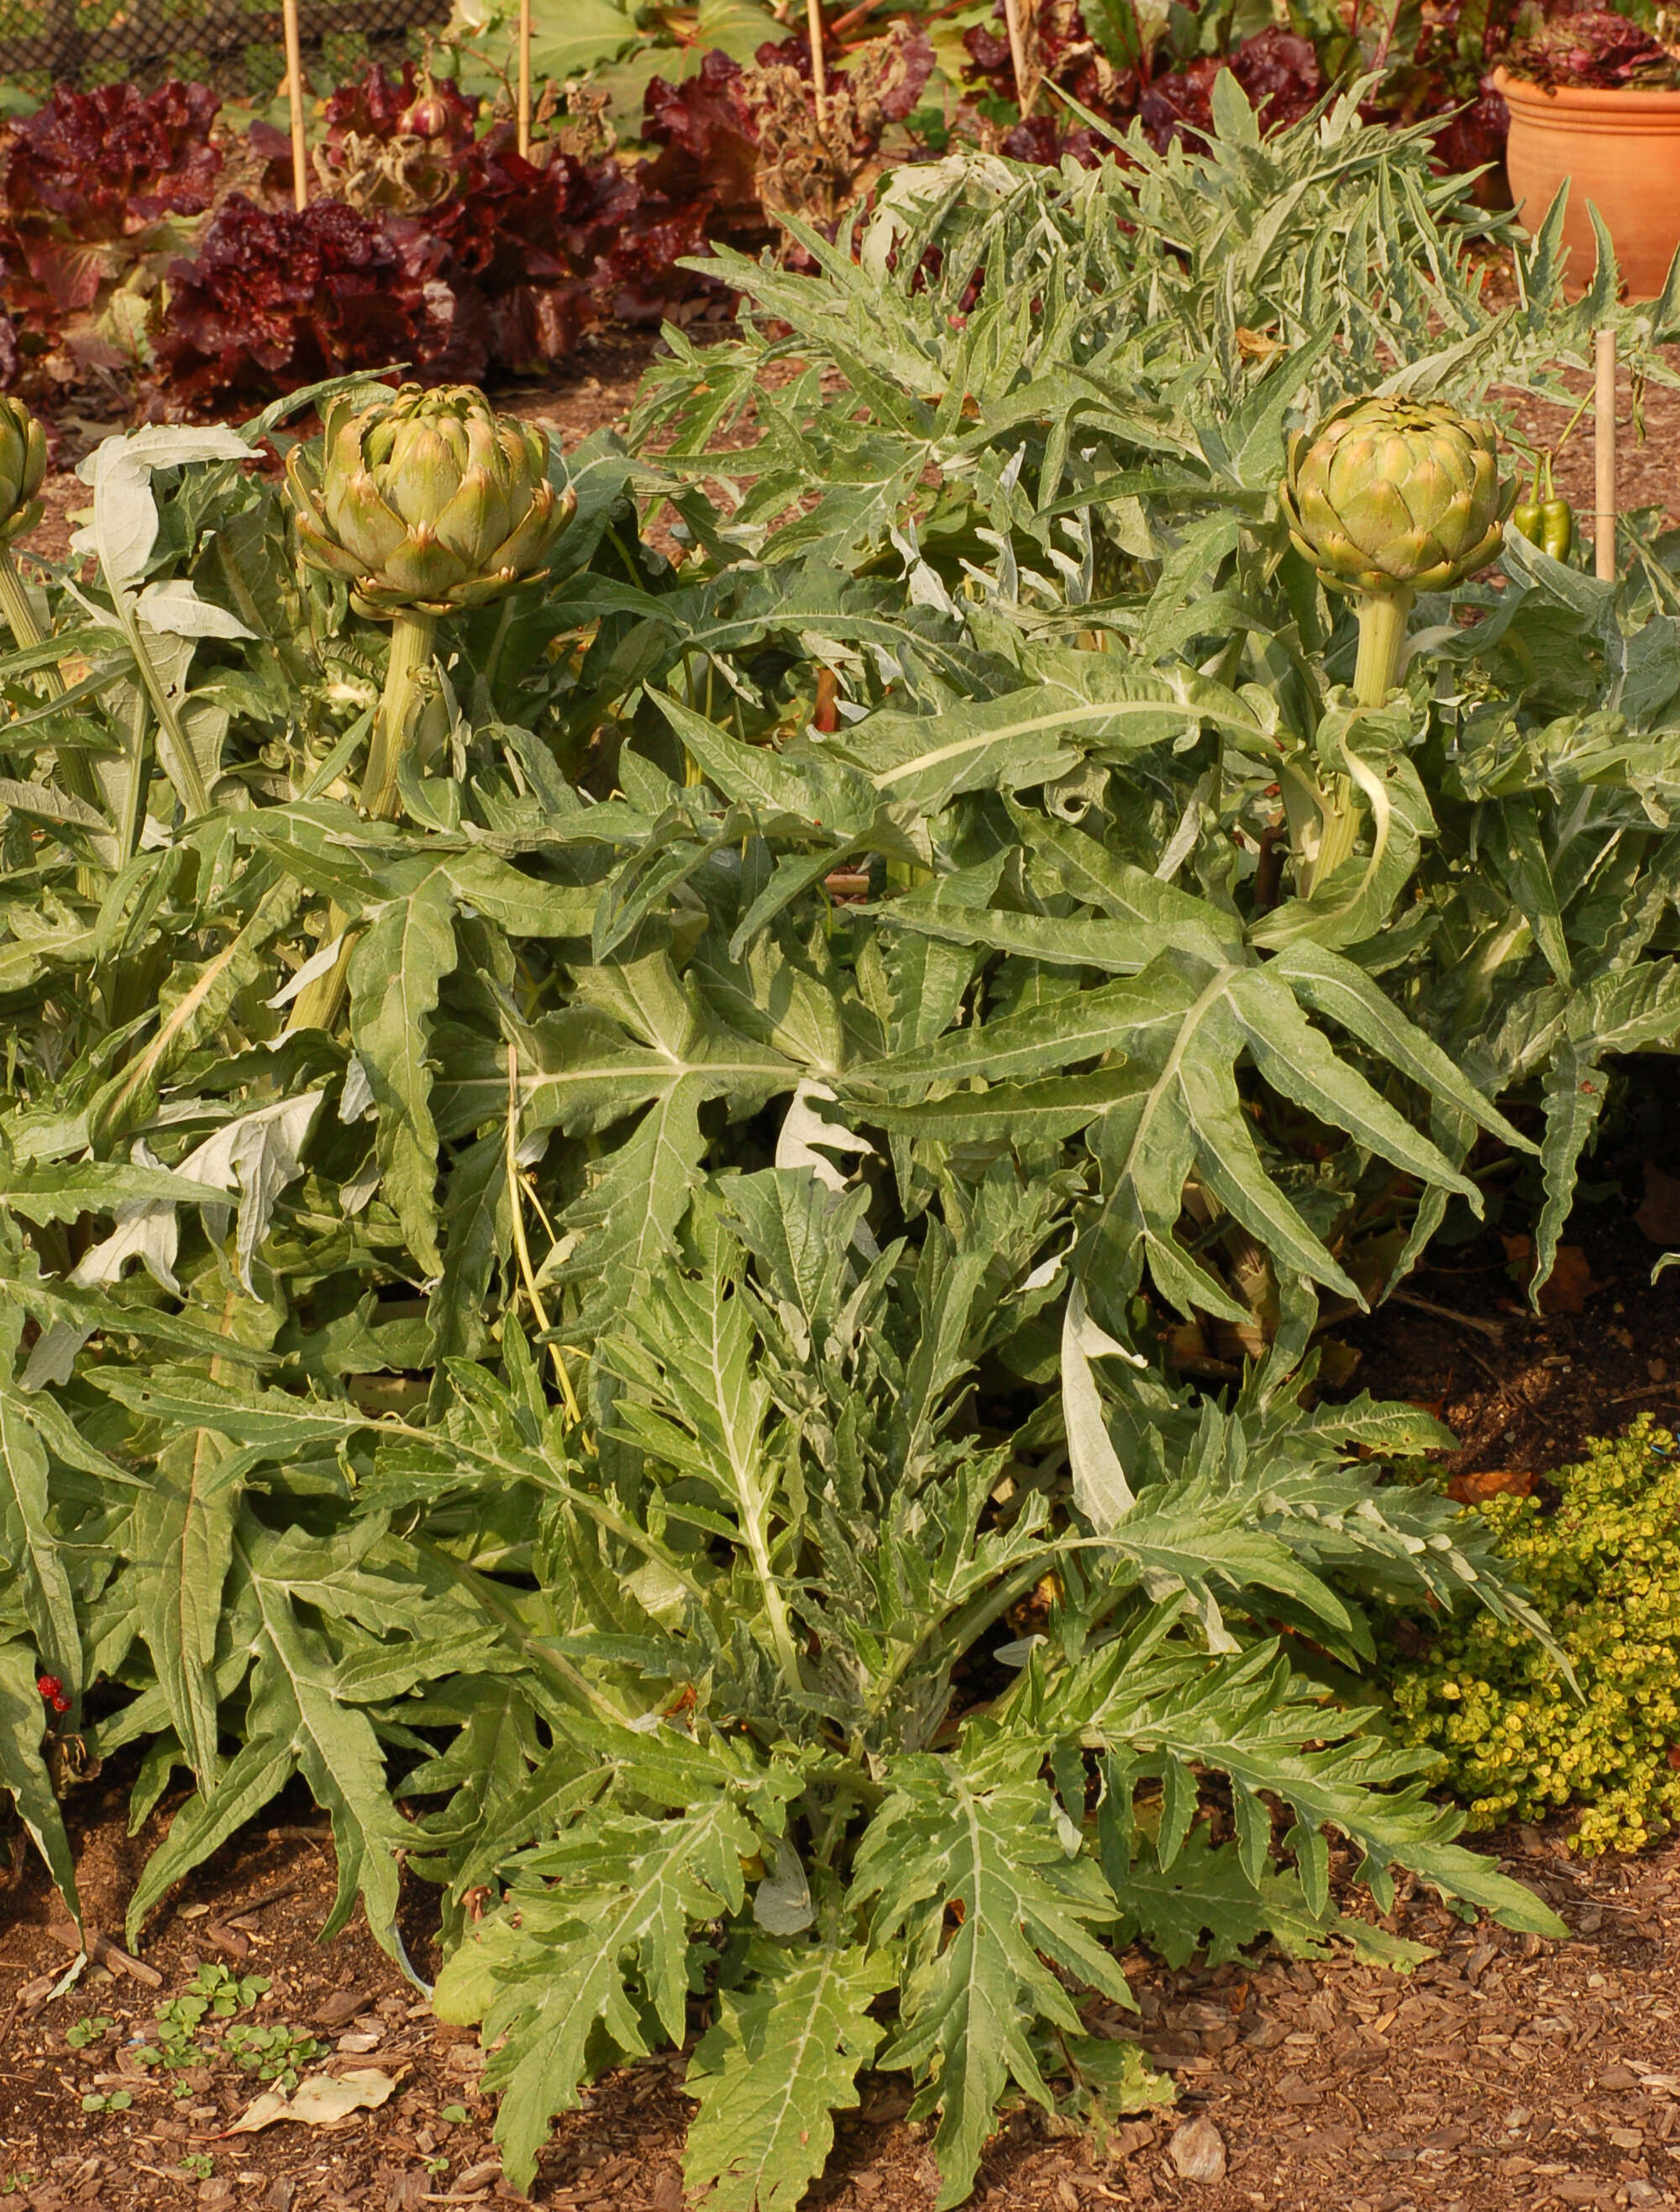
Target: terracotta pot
[1620,151]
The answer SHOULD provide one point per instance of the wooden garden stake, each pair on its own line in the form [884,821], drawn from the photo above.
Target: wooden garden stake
[1024,90]
[295,91]
[525,79]
[814,16]
[1604,459]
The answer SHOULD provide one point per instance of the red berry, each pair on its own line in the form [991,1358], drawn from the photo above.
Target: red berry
[50,1686]
[61,1704]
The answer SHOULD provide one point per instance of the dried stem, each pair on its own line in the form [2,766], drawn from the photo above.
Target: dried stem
[813,17]
[521,1245]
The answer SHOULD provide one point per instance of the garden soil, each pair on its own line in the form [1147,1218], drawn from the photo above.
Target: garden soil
[1506,2072]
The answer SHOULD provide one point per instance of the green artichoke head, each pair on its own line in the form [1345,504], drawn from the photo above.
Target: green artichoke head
[22,465]
[425,501]
[1395,496]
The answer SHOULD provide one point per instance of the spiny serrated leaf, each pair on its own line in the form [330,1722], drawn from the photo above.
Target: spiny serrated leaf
[182,1536]
[260,1768]
[31,1550]
[631,1212]
[1084,702]
[187,1016]
[984,1843]
[628,1891]
[783,2058]
[44,1193]
[296,1697]
[1247,1716]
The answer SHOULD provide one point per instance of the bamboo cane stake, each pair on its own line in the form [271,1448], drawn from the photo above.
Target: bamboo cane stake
[813,17]
[525,79]
[295,92]
[1604,457]
[1024,90]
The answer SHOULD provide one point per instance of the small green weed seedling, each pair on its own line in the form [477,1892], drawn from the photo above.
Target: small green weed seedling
[213,1994]
[272,2054]
[87,2031]
[118,2101]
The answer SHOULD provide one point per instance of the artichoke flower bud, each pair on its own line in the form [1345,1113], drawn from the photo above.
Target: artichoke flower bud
[425,502]
[22,465]
[1391,495]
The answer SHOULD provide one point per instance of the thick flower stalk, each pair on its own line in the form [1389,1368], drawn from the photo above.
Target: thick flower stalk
[1386,498]
[1390,497]
[23,468]
[22,465]
[425,503]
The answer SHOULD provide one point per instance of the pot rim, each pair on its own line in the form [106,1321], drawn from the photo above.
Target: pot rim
[1590,100]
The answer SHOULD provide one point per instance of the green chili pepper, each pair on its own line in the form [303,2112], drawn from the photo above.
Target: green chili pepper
[1548,523]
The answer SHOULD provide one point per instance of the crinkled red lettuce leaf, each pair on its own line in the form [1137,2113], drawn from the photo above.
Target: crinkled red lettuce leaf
[1593,47]
[1474,136]
[108,162]
[1278,71]
[274,300]
[707,143]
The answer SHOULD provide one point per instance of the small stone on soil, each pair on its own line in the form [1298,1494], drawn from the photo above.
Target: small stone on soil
[1197,2151]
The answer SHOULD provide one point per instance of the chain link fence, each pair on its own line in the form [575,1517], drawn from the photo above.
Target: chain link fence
[236,46]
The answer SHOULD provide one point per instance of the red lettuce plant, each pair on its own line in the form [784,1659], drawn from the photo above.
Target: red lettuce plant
[285,298]
[505,262]
[708,139]
[96,183]
[1279,72]
[544,249]
[1593,47]
[110,162]
[1434,60]
[744,142]
[536,251]
[1474,136]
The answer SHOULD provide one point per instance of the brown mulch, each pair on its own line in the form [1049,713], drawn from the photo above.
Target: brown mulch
[1521,1389]
[1505,2073]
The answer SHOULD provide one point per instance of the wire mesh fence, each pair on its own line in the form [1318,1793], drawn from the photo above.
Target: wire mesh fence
[234,45]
